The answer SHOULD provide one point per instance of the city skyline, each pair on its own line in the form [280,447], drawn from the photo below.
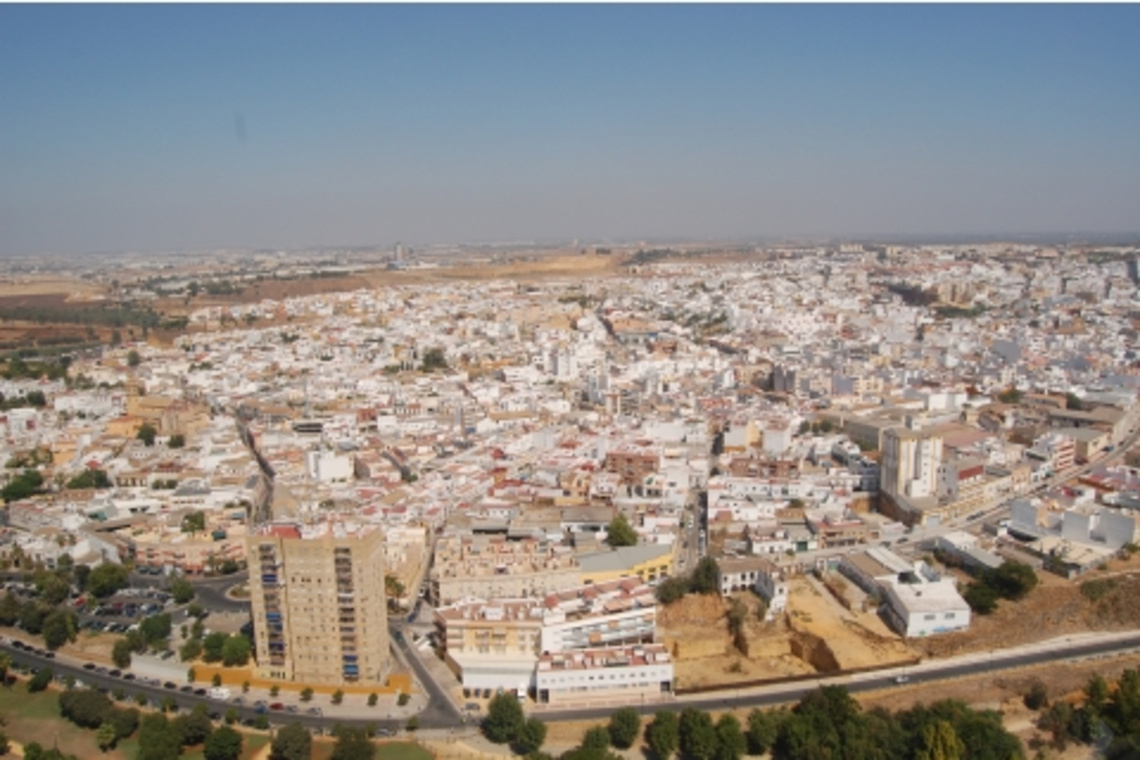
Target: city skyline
[199,127]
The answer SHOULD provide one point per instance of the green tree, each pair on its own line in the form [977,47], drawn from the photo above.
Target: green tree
[697,734]
[762,730]
[235,651]
[940,742]
[32,616]
[338,696]
[293,742]
[177,441]
[620,532]
[531,736]
[195,725]
[107,579]
[306,694]
[121,653]
[133,358]
[353,744]
[92,478]
[181,590]
[625,725]
[1038,695]
[85,708]
[224,744]
[373,699]
[9,609]
[1012,580]
[22,486]
[5,664]
[981,598]
[504,719]
[596,739]
[730,741]
[1073,401]
[231,716]
[106,737]
[147,433]
[60,627]
[81,573]
[156,628]
[706,577]
[40,680]
[159,738]
[52,588]
[672,589]
[194,522]
[125,721]
[191,649]
[663,734]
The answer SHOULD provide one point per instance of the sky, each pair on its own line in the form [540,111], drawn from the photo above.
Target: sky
[194,127]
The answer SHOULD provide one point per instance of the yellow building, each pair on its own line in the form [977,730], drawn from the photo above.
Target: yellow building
[319,606]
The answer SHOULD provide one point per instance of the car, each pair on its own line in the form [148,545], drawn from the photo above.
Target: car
[170,685]
[291,708]
[214,716]
[88,666]
[49,655]
[200,692]
[128,676]
[101,670]
[167,654]
[385,732]
[238,700]
[261,709]
[187,689]
[277,706]
[315,711]
[902,678]
[259,703]
[115,673]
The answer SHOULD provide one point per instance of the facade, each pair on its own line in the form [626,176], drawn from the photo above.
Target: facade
[626,673]
[319,607]
[926,608]
[911,458]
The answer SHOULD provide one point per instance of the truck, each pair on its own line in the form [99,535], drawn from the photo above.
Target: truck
[220,693]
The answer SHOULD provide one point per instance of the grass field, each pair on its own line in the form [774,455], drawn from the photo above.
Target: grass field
[323,749]
[35,718]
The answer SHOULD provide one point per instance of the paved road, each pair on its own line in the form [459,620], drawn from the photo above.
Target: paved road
[441,714]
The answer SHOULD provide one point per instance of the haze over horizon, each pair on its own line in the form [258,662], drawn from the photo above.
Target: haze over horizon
[167,127]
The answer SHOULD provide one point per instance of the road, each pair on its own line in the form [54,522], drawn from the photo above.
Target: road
[441,714]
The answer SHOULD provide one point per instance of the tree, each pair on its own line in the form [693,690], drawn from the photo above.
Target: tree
[762,730]
[195,610]
[706,577]
[224,744]
[195,725]
[125,721]
[235,651]
[698,734]
[940,742]
[159,738]
[620,532]
[155,628]
[1012,579]
[1038,695]
[981,598]
[147,433]
[191,649]
[194,522]
[338,696]
[121,654]
[672,589]
[32,616]
[107,579]
[93,478]
[293,742]
[133,358]
[5,664]
[85,708]
[81,573]
[52,587]
[9,609]
[40,680]
[625,725]
[22,486]
[372,699]
[596,739]
[274,690]
[1010,395]
[434,359]
[353,744]
[306,694]
[181,590]
[730,742]
[177,441]
[1073,401]
[60,627]
[663,734]
[106,737]
[504,719]
[531,736]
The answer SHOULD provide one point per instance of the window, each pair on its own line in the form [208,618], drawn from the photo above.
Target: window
[929,617]
[949,616]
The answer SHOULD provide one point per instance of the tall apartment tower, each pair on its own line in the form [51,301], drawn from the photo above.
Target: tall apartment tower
[910,462]
[319,608]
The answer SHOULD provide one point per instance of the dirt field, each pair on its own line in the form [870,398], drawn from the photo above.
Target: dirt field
[817,635]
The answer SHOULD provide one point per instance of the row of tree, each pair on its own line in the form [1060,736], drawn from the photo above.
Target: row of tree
[827,724]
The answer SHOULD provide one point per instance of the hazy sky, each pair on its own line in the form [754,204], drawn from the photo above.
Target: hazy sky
[166,126]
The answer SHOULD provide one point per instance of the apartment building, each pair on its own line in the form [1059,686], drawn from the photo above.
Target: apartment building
[499,643]
[491,567]
[319,609]
[644,671]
